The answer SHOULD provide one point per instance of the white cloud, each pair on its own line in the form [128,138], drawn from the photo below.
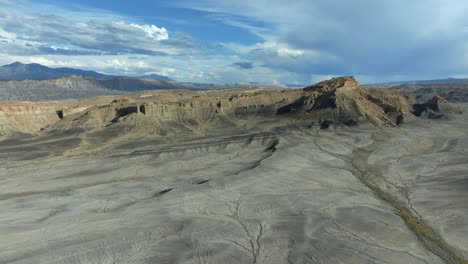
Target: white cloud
[8,37]
[31,33]
[283,57]
[290,52]
[166,71]
[378,38]
[50,63]
[281,49]
[152,31]
[301,41]
[113,44]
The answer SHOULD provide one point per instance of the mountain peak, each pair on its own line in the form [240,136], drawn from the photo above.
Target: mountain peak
[15,64]
[35,71]
[158,77]
[334,84]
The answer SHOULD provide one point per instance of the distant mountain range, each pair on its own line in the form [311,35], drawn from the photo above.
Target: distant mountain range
[75,87]
[34,71]
[157,77]
[35,82]
[436,81]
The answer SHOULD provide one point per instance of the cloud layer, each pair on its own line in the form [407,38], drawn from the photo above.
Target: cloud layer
[51,34]
[301,41]
[364,37]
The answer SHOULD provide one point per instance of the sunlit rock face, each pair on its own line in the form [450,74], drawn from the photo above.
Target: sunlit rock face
[339,100]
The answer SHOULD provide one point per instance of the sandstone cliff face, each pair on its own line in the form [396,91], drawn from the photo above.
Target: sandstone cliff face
[32,118]
[339,100]
[182,111]
[26,117]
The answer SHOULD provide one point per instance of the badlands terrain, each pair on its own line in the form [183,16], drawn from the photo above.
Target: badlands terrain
[332,173]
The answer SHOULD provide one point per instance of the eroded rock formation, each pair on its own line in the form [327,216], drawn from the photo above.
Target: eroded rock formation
[339,100]
[435,108]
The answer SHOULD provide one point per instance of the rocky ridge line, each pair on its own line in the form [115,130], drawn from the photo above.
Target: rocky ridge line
[339,100]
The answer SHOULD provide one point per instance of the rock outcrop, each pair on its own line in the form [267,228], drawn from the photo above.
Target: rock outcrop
[342,100]
[435,108]
[26,117]
[332,85]
[32,118]
[339,100]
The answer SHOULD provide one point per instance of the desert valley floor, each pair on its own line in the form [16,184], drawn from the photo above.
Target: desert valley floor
[332,173]
[292,195]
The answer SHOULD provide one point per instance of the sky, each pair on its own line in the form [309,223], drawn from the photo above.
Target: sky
[240,41]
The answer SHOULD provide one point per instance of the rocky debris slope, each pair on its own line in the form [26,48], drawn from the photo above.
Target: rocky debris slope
[435,108]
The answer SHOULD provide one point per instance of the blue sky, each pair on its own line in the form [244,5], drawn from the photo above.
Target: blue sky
[270,41]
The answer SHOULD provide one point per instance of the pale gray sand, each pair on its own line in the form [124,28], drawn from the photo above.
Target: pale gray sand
[288,197]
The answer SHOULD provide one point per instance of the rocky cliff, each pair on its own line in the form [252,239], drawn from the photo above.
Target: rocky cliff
[339,100]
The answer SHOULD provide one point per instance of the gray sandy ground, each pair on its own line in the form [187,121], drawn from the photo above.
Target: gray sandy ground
[289,197]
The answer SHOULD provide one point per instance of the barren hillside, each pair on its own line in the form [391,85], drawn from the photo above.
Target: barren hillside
[332,173]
